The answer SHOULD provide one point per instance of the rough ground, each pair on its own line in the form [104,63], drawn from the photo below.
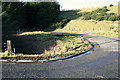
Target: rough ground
[103,62]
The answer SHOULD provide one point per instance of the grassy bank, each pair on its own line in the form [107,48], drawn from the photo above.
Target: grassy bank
[41,45]
[104,28]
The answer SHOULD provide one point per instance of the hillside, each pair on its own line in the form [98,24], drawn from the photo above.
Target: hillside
[113,9]
[77,25]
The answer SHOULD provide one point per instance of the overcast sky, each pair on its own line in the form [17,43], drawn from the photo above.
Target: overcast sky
[78,4]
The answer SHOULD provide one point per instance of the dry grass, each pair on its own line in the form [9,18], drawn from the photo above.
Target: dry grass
[105,28]
[32,33]
[113,9]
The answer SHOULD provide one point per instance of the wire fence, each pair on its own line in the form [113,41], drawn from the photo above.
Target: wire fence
[93,30]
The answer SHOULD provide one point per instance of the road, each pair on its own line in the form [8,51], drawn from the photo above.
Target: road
[103,63]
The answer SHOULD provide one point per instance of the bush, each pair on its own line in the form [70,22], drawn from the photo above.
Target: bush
[100,14]
[111,5]
[105,7]
[99,18]
[60,24]
[111,14]
[94,16]
[86,18]
[103,14]
[94,12]
[3,55]
[118,17]
[86,13]
[106,17]
[113,18]
[99,10]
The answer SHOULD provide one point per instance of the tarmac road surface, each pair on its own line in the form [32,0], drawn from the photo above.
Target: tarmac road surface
[102,63]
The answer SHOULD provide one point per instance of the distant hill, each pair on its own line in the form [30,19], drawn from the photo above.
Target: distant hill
[71,13]
[77,25]
[113,9]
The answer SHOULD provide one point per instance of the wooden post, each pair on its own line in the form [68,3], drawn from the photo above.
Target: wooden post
[9,45]
[9,49]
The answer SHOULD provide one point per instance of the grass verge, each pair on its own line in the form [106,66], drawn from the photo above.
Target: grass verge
[63,48]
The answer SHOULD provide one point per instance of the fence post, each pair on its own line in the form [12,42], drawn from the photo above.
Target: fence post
[9,49]
[72,29]
[8,45]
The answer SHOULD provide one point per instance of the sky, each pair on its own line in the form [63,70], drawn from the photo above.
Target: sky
[79,4]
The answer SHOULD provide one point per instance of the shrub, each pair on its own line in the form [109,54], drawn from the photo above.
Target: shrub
[111,14]
[105,7]
[93,12]
[94,16]
[3,55]
[60,24]
[106,17]
[118,17]
[99,10]
[100,14]
[103,14]
[111,5]
[104,10]
[99,18]
[86,18]
[85,13]
[9,53]
[113,18]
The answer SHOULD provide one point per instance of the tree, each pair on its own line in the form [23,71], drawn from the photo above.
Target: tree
[30,14]
[13,17]
[111,5]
